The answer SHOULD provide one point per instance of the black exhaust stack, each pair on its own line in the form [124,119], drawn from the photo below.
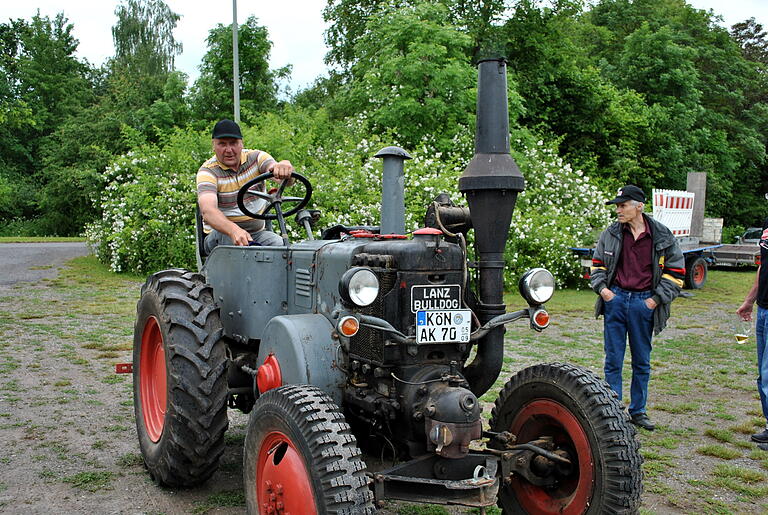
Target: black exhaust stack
[490,183]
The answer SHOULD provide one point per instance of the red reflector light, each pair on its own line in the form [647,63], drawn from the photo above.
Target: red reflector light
[348,326]
[541,318]
[123,368]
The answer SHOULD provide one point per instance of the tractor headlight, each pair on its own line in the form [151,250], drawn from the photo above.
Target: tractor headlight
[360,286]
[537,285]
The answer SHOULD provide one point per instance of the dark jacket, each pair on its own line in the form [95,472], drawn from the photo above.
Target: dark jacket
[667,276]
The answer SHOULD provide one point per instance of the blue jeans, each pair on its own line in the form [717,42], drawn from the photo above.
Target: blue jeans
[627,314]
[761,332]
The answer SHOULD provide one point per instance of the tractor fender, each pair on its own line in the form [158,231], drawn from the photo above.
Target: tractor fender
[305,351]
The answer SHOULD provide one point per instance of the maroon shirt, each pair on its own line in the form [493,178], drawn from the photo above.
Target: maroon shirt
[635,269]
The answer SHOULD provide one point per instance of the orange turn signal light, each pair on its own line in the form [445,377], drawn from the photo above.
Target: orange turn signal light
[348,326]
[541,318]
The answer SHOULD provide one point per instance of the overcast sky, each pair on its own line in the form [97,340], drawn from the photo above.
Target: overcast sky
[295,27]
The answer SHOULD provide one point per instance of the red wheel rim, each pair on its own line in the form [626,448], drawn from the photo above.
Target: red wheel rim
[544,417]
[152,379]
[282,480]
[698,273]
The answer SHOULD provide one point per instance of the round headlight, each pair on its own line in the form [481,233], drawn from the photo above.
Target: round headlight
[360,286]
[537,285]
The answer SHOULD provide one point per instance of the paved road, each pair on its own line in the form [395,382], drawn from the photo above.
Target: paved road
[35,261]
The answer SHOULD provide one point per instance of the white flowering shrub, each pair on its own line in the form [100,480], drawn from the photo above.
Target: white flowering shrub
[559,209]
[148,200]
[148,204]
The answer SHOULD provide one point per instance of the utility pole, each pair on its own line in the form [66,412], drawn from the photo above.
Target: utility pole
[236,62]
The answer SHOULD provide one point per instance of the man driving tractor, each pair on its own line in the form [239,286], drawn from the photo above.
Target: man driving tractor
[220,178]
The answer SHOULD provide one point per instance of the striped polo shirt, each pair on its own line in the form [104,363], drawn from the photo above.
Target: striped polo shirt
[225,182]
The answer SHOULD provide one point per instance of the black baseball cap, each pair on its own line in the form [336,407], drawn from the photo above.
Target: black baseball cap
[628,192]
[227,129]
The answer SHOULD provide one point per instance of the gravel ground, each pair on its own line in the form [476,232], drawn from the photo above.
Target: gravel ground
[67,433]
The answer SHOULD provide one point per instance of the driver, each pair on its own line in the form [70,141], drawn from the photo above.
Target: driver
[220,178]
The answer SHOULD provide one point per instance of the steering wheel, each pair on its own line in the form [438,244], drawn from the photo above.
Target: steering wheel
[275,200]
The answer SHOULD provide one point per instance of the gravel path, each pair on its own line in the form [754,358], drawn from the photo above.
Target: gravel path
[35,261]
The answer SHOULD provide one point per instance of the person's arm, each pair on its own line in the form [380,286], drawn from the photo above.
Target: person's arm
[598,277]
[209,208]
[672,277]
[745,310]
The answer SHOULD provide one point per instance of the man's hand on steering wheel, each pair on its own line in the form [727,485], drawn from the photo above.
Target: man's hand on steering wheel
[281,170]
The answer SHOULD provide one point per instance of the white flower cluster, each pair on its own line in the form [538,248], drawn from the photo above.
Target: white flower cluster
[149,197]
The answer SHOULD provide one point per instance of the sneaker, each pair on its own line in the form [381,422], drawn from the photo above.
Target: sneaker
[760,437]
[763,446]
[642,420]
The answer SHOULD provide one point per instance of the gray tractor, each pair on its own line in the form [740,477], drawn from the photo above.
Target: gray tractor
[361,356]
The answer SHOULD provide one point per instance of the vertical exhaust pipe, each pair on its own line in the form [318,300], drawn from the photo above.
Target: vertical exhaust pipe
[392,190]
[490,183]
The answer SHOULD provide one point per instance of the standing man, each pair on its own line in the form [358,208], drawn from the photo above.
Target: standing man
[759,293]
[221,177]
[637,271]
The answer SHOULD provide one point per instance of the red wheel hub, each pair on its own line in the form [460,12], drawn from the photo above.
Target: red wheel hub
[282,481]
[152,379]
[698,273]
[544,417]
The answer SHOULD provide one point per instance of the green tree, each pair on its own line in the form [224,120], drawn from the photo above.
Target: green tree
[703,96]
[752,39]
[212,93]
[143,37]
[412,76]
[567,99]
[42,84]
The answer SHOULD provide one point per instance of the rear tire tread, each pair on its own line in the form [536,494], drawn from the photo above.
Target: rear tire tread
[193,436]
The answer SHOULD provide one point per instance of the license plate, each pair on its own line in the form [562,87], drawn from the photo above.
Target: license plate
[587,263]
[429,298]
[441,326]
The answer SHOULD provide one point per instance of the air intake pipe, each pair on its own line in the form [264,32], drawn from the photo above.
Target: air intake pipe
[490,183]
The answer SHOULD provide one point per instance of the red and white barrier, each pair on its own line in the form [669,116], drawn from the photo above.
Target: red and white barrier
[674,208]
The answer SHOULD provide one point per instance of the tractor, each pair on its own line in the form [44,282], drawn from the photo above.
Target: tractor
[361,357]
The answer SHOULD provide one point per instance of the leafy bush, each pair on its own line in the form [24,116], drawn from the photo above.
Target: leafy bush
[149,196]
[148,206]
[559,209]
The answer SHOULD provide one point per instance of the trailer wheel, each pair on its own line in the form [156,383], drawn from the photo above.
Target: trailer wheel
[179,378]
[300,454]
[585,419]
[695,273]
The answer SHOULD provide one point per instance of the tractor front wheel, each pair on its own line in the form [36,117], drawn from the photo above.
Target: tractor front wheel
[179,378]
[583,417]
[301,457]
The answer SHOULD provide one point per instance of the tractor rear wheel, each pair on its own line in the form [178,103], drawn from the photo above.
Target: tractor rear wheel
[586,421]
[695,273]
[179,378]
[301,456]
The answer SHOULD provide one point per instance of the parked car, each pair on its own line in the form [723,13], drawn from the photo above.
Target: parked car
[750,236]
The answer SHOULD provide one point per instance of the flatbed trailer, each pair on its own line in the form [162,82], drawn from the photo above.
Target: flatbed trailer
[698,258]
[737,255]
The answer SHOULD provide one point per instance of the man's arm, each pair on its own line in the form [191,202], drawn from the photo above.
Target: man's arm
[745,310]
[209,208]
[598,273]
[672,277]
